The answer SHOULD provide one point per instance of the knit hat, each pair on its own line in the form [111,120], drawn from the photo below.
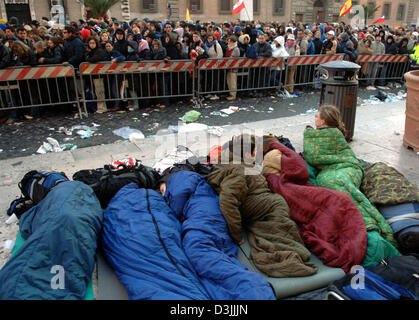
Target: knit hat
[291,37]
[331,32]
[85,33]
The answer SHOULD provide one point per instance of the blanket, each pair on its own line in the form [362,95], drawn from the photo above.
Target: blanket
[247,204]
[57,260]
[328,151]
[141,240]
[328,221]
[207,243]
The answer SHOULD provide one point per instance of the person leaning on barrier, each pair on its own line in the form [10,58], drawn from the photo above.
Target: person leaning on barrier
[54,54]
[293,50]
[74,48]
[330,44]
[232,52]
[4,56]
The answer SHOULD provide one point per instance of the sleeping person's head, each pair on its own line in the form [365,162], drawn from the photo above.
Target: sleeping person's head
[329,116]
[241,147]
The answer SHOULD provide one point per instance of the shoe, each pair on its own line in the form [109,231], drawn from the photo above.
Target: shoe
[230,98]
[9,121]
[215,97]
[28,117]
[208,96]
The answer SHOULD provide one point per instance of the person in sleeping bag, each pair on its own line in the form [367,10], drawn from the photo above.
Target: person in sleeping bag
[207,243]
[326,149]
[141,239]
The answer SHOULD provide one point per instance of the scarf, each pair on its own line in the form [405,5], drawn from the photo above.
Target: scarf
[290,44]
[210,44]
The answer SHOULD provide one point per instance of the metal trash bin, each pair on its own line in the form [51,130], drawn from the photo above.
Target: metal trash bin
[339,81]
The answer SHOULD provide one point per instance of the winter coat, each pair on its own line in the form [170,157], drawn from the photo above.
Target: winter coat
[311,49]
[391,48]
[54,56]
[364,50]
[415,55]
[303,44]
[158,54]
[4,57]
[121,46]
[318,45]
[263,51]
[141,239]
[74,51]
[247,204]
[96,55]
[215,50]
[279,52]
[329,47]
[207,243]
[378,48]
[114,54]
[133,56]
[62,230]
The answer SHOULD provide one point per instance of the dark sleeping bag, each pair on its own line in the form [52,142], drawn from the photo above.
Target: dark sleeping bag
[141,240]
[58,257]
[207,243]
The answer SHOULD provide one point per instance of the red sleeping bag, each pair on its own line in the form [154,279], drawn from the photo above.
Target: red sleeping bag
[329,222]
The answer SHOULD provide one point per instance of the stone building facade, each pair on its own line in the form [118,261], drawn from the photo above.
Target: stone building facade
[397,12]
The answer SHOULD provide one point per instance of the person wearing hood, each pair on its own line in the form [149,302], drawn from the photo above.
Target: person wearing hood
[402,47]
[342,44]
[121,44]
[244,43]
[278,51]
[390,48]
[143,49]
[365,48]
[351,54]
[169,43]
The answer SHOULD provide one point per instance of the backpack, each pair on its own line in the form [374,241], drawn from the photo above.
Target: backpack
[34,186]
[107,181]
[373,287]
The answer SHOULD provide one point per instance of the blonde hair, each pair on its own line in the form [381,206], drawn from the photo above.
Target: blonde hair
[331,115]
[20,49]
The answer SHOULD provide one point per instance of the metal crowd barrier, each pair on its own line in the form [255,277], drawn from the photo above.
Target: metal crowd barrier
[301,70]
[383,67]
[41,86]
[221,75]
[109,83]
[129,81]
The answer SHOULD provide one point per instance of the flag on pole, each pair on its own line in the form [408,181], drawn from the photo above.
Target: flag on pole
[188,16]
[347,6]
[239,6]
[380,20]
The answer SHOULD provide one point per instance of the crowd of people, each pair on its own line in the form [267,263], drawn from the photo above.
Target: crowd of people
[97,40]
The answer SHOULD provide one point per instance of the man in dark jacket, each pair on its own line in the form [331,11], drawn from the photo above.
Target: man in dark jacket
[263,49]
[74,48]
[4,57]
[121,44]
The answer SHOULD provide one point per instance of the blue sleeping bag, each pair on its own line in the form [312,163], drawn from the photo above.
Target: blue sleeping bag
[207,243]
[58,257]
[142,242]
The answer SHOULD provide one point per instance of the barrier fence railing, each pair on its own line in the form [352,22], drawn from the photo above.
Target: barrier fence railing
[133,81]
[301,70]
[41,86]
[107,84]
[221,75]
[383,67]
